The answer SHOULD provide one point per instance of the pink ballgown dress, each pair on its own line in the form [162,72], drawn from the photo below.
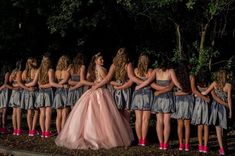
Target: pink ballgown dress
[95,122]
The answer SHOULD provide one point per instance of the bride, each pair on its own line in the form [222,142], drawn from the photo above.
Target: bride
[95,122]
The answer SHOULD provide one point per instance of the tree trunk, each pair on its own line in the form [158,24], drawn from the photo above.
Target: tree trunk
[178,39]
[201,48]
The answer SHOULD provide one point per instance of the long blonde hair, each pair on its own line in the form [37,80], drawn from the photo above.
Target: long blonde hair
[63,63]
[120,61]
[143,64]
[221,78]
[43,70]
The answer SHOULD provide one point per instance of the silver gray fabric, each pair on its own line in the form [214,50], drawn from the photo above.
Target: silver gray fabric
[218,115]
[4,97]
[61,98]
[74,95]
[200,112]
[122,98]
[15,99]
[183,107]
[44,98]
[163,103]
[142,99]
[28,99]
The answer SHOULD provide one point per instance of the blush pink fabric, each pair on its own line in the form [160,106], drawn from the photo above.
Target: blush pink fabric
[95,123]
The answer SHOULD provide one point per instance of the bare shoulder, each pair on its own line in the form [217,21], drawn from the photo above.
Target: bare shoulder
[228,85]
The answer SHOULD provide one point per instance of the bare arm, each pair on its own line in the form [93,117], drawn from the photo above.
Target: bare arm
[114,83]
[148,81]
[157,87]
[19,80]
[107,78]
[217,99]
[51,75]
[131,74]
[164,90]
[195,91]
[65,79]
[34,82]
[230,99]
[125,85]
[210,88]
[174,78]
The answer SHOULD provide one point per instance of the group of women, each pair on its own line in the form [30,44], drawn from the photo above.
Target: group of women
[101,101]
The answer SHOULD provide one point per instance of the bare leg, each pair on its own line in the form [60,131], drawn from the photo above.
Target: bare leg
[18,117]
[42,118]
[180,130]
[138,121]
[187,131]
[199,134]
[145,123]
[65,113]
[167,127]
[58,119]
[206,135]
[48,118]
[4,117]
[14,119]
[35,119]
[219,132]
[29,119]
[159,127]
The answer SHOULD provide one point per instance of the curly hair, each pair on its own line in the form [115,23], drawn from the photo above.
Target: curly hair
[78,61]
[143,64]
[43,70]
[92,66]
[63,63]
[120,61]
[221,78]
[182,74]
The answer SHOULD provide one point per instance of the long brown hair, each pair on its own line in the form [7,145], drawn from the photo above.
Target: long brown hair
[143,64]
[43,70]
[92,66]
[78,61]
[29,67]
[120,61]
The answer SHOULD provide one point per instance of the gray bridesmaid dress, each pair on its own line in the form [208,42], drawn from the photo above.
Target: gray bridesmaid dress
[74,95]
[122,97]
[163,103]
[142,99]
[201,111]
[218,115]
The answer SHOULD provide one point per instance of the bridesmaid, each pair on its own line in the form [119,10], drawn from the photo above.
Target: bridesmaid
[220,110]
[4,96]
[29,97]
[142,100]
[44,100]
[184,103]
[15,99]
[77,76]
[200,116]
[60,82]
